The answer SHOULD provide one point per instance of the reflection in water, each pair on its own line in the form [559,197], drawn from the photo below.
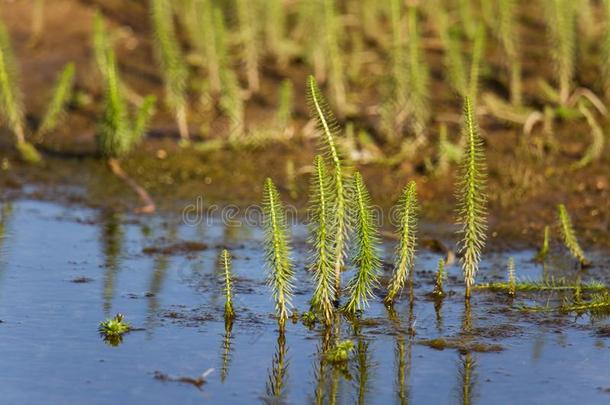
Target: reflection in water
[226,349]
[112,247]
[467,367]
[160,266]
[438,310]
[6,214]
[403,354]
[278,374]
[363,366]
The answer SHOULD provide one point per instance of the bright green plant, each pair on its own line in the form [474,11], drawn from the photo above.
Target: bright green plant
[561,26]
[225,263]
[366,256]
[329,131]
[170,58]
[569,235]
[114,327]
[405,251]
[543,252]
[11,99]
[508,35]
[277,251]
[439,279]
[248,16]
[62,94]
[322,232]
[472,212]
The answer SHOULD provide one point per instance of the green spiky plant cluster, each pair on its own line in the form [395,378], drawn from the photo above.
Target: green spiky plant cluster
[329,130]
[277,251]
[112,330]
[11,99]
[322,232]
[568,235]
[561,26]
[171,61]
[472,199]
[366,256]
[405,251]
[225,263]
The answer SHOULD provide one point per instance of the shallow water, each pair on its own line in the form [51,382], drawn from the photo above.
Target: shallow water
[64,268]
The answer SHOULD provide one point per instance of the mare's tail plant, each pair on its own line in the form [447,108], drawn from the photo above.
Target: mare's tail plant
[62,94]
[569,235]
[366,256]
[512,281]
[508,36]
[116,133]
[440,278]
[171,60]
[472,212]
[332,43]
[561,26]
[248,15]
[285,105]
[225,264]
[329,131]
[322,232]
[418,75]
[277,251]
[543,252]
[405,251]
[11,99]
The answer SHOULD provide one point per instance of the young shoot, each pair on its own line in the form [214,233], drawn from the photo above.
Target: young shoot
[472,199]
[113,329]
[512,281]
[321,240]
[366,256]
[277,251]
[11,99]
[440,278]
[405,251]
[225,263]
[329,130]
[543,252]
[60,98]
[569,235]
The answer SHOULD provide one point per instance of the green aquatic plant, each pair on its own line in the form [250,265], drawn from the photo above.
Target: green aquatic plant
[508,36]
[11,99]
[366,256]
[321,240]
[340,352]
[447,152]
[61,96]
[561,26]
[552,284]
[472,199]
[249,32]
[418,76]
[113,329]
[478,53]
[277,251]
[407,208]
[329,130]
[170,58]
[569,235]
[225,263]
[439,279]
[543,252]
[333,46]
[512,281]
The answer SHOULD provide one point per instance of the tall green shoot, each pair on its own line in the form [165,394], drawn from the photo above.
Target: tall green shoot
[568,235]
[277,251]
[61,96]
[366,256]
[472,199]
[225,263]
[329,130]
[321,240]
[405,251]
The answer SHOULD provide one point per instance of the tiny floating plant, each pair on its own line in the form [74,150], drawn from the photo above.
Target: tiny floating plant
[277,251]
[569,236]
[225,264]
[113,329]
[405,251]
